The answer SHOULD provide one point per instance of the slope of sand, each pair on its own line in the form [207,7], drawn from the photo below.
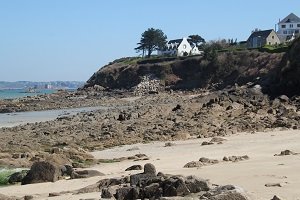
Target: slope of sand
[252,175]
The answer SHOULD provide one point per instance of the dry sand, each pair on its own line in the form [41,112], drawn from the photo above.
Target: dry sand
[252,175]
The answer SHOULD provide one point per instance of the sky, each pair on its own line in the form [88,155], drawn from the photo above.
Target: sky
[51,40]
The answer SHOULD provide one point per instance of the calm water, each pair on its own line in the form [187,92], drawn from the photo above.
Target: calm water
[18,93]
[19,118]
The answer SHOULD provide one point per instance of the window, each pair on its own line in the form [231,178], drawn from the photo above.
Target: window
[296,31]
[285,32]
[269,43]
[283,26]
[184,46]
[273,37]
[298,25]
[291,25]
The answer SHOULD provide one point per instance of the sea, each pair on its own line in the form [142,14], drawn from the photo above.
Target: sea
[19,93]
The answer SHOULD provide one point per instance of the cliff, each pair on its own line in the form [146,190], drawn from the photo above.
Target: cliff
[275,72]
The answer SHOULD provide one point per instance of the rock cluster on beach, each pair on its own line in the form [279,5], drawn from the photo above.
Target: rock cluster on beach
[152,185]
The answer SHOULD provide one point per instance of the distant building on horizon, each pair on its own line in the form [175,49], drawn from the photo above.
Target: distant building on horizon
[288,27]
[179,47]
[260,38]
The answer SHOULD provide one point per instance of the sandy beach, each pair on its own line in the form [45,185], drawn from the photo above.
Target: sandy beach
[252,175]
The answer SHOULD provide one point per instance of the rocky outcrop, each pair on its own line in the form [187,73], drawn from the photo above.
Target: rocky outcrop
[42,172]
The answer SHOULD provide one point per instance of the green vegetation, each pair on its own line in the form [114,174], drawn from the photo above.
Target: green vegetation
[275,48]
[127,60]
[5,174]
[196,39]
[151,40]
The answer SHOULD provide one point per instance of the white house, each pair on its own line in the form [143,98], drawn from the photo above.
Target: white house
[288,27]
[179,47]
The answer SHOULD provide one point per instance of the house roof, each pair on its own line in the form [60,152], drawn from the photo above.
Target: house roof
[291,18]
[175,41]
[178,41]
[263,34]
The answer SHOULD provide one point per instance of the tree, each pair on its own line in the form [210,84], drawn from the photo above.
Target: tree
[151,40]
[196,39]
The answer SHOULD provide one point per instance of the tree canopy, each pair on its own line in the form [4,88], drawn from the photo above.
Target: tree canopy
[151,40]
[196,39]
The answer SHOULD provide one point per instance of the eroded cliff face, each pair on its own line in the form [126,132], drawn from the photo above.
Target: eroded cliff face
[277,73]
[287,79]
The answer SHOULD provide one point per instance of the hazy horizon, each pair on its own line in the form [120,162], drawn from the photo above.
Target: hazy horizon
[72,39]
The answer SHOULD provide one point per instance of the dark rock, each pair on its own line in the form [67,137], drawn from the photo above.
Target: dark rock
[276,198]
[178,107]
[42,172]
[174,186]
[85,174]
[137,179]
[236,158]
[196,185]
[127,193]
[54,194]
[106,193]
[217,139]
[152,191]
[104,183]
[273,185]
[206,143]
[286,153]
[67,170]
[169,144]
[149,169]
[193,164]
[17,176]
[28,197]
[229,196]
[208,161]
[134,167]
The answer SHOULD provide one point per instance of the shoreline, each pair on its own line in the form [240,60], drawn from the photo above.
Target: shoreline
[20,118]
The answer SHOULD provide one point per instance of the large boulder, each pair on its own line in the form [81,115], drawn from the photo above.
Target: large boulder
[42,172]
[149,169]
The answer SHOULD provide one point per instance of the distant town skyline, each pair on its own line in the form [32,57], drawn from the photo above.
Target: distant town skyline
[71,39]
